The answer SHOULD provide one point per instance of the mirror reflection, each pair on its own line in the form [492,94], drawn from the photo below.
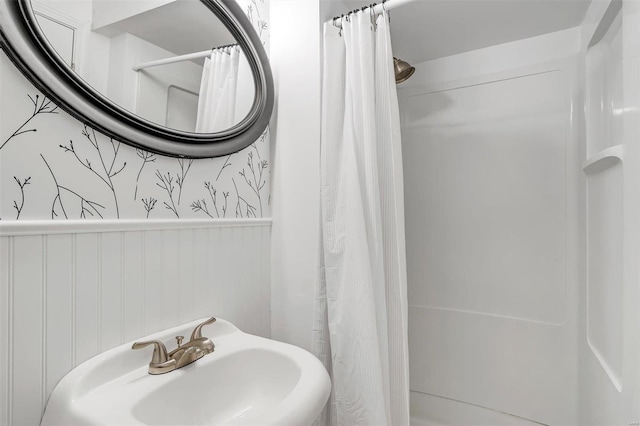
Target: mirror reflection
[171,62]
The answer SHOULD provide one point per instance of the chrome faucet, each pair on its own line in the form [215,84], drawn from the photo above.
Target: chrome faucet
[197,347]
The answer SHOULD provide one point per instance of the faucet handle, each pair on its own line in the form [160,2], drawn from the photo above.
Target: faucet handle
[159,350]
[197,332]
[160,362]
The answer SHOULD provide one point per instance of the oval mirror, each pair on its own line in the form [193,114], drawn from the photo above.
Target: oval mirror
[186,78]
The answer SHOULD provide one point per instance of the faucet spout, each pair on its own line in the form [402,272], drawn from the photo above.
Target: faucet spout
[188,356]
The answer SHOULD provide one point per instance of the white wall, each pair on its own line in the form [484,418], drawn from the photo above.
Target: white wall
[91,49]
[296,158]
[491,147]
[145,92]
[295,55]
[69,291]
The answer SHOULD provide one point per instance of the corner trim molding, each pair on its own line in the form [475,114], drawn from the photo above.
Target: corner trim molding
[48,227]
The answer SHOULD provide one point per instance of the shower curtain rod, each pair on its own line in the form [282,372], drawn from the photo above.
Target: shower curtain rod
[378,8]
[180,58]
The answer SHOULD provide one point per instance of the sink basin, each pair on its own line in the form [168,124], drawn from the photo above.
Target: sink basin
[248,380]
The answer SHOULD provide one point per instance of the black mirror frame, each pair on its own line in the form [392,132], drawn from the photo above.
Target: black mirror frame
[26,46]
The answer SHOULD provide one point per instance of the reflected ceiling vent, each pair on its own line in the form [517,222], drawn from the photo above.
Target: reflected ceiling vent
[403,70]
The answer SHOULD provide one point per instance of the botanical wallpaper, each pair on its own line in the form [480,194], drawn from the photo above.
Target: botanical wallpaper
[54,167]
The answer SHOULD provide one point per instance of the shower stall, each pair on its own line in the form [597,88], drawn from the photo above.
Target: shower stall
[522,217]
[521,165]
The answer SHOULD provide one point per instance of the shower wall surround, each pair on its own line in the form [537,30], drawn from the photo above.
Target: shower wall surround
[54,167]
[492,163]
[513,310]
[610,319]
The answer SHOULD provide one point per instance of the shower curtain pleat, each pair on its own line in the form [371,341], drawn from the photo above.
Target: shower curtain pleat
[218,87]
[392,206]
[360,330]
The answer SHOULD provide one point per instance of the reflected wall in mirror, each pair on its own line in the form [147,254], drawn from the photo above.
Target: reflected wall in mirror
[171,62]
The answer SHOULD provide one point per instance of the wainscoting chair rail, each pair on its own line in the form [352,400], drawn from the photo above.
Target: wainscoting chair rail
[41,227]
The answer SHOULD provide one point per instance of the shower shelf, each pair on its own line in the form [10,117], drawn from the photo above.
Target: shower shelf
[604,160]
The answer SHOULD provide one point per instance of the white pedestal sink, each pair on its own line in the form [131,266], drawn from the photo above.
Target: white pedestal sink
[248,380]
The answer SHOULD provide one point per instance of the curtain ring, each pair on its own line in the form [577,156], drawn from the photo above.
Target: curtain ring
[340,27]
[372,15]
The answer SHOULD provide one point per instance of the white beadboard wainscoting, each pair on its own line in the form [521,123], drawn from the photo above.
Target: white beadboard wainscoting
[70,290]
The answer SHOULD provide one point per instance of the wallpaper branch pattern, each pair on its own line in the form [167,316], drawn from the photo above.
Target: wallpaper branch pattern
[184,169]
[21,184]
[87,207]
[226,164]
[106,173]
[242,204]
[54,167]
[166,183]
[201,205]
[149,204]
[40,106]
[147,157]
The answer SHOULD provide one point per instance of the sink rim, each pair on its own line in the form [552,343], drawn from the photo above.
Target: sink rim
[239,386]
[78,391]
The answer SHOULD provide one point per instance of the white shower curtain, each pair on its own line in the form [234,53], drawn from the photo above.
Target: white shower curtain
[360,330]
[217,97]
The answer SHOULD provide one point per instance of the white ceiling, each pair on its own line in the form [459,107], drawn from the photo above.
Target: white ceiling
[430,29]
[180,27]
[421,30]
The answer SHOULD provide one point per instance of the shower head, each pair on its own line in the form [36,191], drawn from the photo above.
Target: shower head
[402,69]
